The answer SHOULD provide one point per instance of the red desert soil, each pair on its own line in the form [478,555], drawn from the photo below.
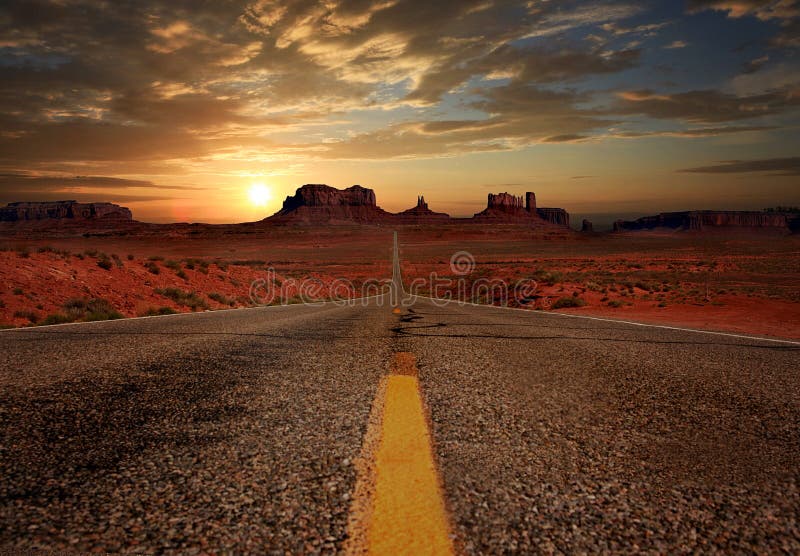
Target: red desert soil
[765,317]
[743,283]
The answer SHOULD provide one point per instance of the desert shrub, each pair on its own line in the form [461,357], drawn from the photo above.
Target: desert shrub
[593,286]
[56,318]
[152,267]
[155,311]
[155,258]
[30,315]
[45,249]
[17,291]
[223,266]
[90,252]
[100,309]
[105,264]
[564,302]
[90,310]
[203,267]
[130,257]
[190,264]
[548,277]
[173,265]
[221,299]
[616,303]
[187,299]
[79,256]
[23,252]
[662,304]
[182,275]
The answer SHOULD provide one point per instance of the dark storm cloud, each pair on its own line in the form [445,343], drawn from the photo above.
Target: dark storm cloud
[53,182]
[693,132]
[785,12]
[763,9]
[30,187]
[519,115]
[526,66]
[15,195]
[705,106]
[772,166]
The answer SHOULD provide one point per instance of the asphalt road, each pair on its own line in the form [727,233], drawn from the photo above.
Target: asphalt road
[238,430]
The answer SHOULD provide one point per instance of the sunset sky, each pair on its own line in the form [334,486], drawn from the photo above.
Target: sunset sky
[215,111]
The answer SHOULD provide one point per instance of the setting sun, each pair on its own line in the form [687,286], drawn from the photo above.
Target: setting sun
[259,194]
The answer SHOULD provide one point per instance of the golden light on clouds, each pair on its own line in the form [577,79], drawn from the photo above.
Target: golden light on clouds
[158,107]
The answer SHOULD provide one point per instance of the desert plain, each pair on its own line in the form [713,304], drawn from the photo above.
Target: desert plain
[732,281]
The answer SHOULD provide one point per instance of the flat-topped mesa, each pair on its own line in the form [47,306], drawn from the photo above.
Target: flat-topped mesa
[511,208]
[64,210]
[556,216]
[317,203]
[505,202]
[321,195]
[503,206]
[421,213]
[700,220]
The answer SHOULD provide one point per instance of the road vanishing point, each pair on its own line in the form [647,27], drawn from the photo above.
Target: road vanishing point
[423,428]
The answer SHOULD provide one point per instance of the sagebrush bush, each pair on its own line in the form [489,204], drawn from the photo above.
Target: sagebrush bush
[156,311]
[105,264]
[90,310]
[187,299]
[219,298]
[30,315]
[565,302]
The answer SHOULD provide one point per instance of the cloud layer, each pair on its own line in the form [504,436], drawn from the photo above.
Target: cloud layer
[155,88]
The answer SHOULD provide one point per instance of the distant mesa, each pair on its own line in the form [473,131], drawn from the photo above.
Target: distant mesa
[704,220]
[323,204]
[510,208]
[586,226]
[316,203]
[64,210]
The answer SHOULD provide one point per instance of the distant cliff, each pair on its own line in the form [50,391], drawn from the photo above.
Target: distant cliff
[64,210]
[317,203]
[699,220]
[511,208]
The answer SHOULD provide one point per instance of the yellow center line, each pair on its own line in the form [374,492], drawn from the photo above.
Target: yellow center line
[405,513]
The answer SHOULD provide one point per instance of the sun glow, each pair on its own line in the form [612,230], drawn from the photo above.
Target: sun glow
[259,194]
